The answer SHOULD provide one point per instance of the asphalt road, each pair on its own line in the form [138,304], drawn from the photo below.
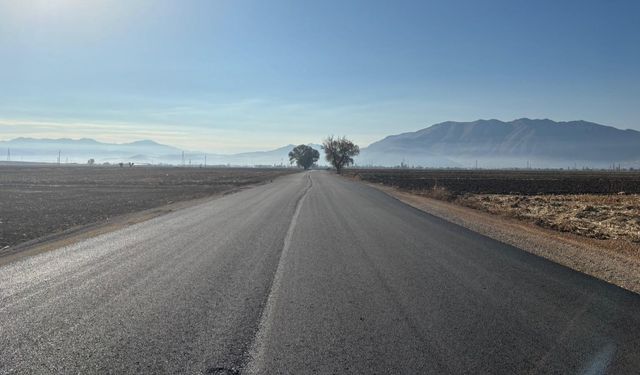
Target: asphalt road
[309,274]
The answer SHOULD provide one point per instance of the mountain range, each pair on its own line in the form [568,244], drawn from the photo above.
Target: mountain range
[493,143]
[486,143]
[139,152]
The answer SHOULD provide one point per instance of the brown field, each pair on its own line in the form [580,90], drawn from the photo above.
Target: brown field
[38,200]
[525,182]
[602,217]
[598,205]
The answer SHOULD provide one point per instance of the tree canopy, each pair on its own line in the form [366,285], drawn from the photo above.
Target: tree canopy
[339,151]
[304,156]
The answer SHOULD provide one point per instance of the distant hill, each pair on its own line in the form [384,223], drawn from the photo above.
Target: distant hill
[139,152]
[80,150]
[270,157]
[494,143]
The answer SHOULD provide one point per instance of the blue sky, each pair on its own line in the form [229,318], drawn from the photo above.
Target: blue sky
[239,75]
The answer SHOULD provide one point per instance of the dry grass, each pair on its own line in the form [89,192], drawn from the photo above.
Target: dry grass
[603,217]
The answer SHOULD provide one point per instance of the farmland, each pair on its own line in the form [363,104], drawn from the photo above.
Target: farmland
[597,205]
[526,182]
[38,200]
[601,217]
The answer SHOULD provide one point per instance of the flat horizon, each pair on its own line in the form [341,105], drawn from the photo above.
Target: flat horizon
[241,76]
[274,147]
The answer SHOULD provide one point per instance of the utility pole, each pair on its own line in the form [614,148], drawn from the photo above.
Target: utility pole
[183,158]
[59,152]
[8,154]
[205,160]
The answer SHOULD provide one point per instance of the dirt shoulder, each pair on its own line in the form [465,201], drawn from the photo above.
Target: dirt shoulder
[614,218]
[44,208]
[82,232]
[38,201]
[591,256]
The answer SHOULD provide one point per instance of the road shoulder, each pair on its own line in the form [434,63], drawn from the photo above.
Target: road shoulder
[82,232]
[579,253]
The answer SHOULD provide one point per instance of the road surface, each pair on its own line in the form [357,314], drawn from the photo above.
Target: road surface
[312,273]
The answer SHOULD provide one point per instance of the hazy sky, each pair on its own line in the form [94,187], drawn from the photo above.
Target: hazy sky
[226,76]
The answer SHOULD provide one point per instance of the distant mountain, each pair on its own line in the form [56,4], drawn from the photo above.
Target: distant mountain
[270,157]
[80,150]
[494,143]
[149,144]
[139,152]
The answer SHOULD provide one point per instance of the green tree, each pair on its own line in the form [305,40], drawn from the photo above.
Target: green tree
[339,152]
[304,156]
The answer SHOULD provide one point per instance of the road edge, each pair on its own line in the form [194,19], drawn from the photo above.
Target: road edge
[79,233]
[570,250]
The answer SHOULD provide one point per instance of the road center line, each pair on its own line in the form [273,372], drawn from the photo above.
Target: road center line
[256,351]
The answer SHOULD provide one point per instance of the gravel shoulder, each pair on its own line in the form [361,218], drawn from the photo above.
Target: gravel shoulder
[591,256]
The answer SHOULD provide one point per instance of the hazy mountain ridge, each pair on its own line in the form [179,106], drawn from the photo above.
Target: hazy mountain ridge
[140,152]
[80,150]
[492,143]
[496,143]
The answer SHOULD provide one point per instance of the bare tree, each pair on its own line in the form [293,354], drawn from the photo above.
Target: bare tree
[339,151]
[304,156]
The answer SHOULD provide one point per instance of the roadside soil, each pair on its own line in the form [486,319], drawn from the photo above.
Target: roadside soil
[614,258]
[602,217]
[81,232]
[46,201]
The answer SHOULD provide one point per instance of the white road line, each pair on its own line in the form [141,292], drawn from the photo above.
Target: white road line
[257,350]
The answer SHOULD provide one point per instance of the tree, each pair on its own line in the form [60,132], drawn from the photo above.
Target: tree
[339,151]
[304,156]
[91,161]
